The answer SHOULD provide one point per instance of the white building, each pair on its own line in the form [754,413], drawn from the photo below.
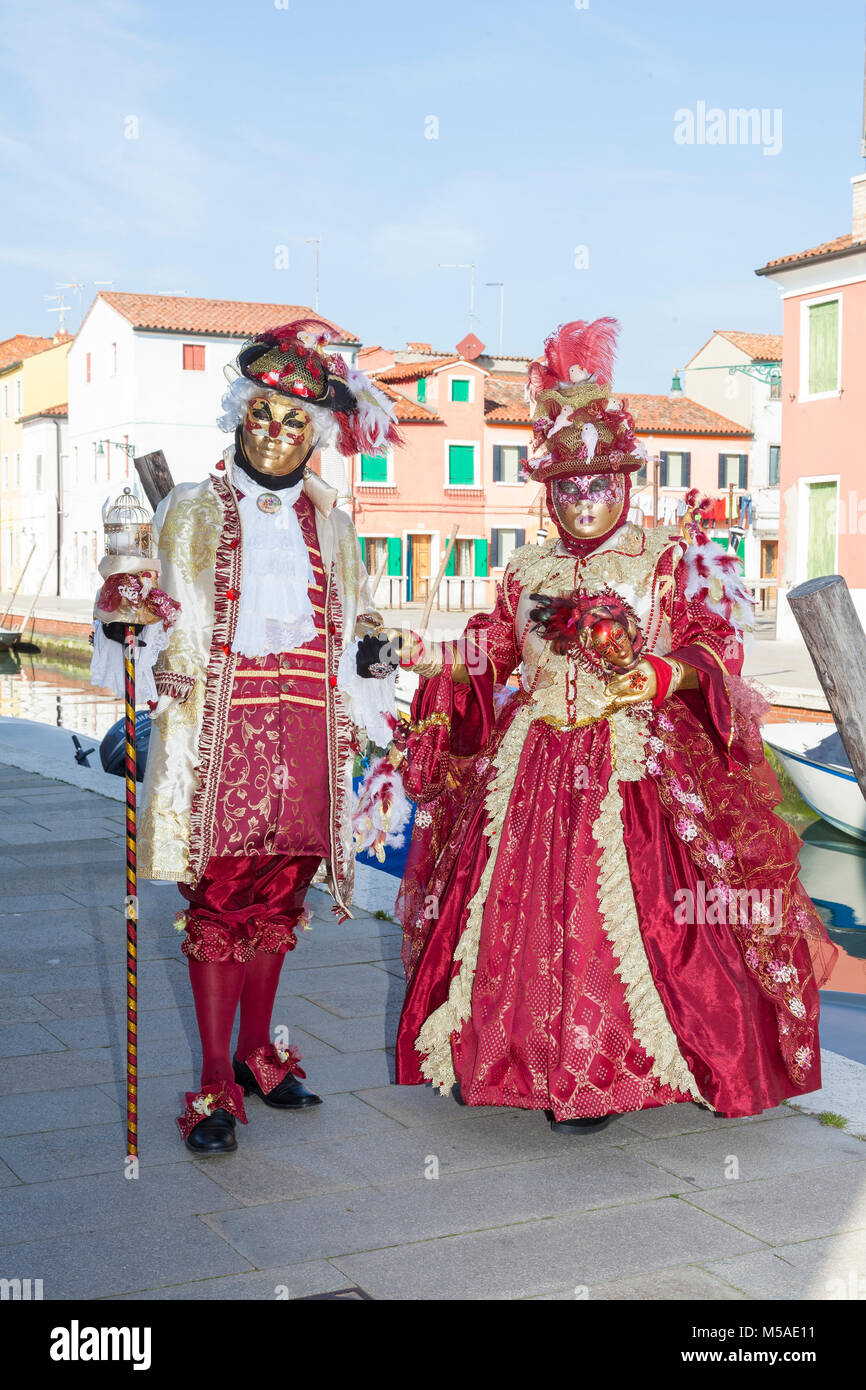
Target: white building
[146,373]
[739,375]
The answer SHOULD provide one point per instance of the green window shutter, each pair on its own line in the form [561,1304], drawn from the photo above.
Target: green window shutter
[494,546]
[687,471]
[422,388]
[744,471]
[481,558]
[395,555]
[497,463]
[663,470]
[449,568]
[461,464]
[459,389]
[723,482]
[374,468]
[824,347]
[520,537]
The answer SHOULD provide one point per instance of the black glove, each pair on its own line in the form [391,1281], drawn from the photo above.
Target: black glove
[116,632]
[375,658]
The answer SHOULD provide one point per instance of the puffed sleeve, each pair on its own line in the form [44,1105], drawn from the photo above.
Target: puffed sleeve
[707,607]
[453,717]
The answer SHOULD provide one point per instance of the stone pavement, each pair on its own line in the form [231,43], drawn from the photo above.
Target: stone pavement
[668,1204]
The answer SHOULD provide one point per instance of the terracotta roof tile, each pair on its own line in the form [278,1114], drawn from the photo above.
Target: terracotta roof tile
[21,346]
[411,371]
[761,347]
[679,415]
[221,318]
[505,400]
[52,410]
[407,411]
[827,248]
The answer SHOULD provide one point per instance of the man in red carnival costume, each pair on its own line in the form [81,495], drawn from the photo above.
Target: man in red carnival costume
[618,922]
[262,682]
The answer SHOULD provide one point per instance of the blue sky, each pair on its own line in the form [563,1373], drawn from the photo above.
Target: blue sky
[259,125]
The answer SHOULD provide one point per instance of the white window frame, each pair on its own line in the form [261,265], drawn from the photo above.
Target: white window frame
[476,451]
[389,478]
[17,469]
[458,376]
[805,306]
[502,482]
[6,400]
[18,396]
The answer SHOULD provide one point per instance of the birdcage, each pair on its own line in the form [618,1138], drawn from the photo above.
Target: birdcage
[127,527]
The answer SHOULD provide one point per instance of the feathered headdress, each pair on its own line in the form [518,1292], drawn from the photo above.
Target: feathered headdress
[583,430]
[291,360]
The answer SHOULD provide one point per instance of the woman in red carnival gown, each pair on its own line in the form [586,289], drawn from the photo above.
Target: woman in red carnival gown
[601,911]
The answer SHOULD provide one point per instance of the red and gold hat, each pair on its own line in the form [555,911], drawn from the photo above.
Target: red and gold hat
[289,360]
[292,360]
[575,420]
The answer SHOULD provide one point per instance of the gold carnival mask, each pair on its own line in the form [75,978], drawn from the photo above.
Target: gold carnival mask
[277,434]
[589,506]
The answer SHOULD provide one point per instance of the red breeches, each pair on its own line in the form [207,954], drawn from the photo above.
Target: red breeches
[240,923]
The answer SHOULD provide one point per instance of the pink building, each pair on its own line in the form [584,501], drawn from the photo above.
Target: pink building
[823,506]
[465,420]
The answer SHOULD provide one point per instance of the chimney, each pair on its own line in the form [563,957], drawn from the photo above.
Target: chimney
[858,224]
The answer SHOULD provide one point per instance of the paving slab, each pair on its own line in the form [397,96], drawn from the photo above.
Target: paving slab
[99,1263]
[742,1153]
[540,1257]
[22,1113]
[293,1281]
[682,1284]
[21,1039]
[827,1200]
[830,1269]
[30,1211]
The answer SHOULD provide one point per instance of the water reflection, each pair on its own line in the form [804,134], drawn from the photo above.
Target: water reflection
[54,692]
[834,875]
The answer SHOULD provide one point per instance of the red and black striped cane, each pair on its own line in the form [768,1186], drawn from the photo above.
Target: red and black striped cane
[131,910]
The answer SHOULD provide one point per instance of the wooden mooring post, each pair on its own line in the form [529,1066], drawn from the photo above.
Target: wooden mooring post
[836,642]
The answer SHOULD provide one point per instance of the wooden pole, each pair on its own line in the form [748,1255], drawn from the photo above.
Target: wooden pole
[836,643]
[428,607]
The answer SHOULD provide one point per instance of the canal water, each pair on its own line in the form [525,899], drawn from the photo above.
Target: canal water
[833,864]
[54,692]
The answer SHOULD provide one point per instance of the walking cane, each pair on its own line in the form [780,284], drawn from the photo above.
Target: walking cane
[128,533]
[131,906]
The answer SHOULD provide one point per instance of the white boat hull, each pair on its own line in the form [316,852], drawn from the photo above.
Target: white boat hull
[831,791]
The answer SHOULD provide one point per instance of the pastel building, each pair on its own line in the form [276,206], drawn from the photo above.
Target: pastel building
[739,375]
[823,500]
[465,420]
[33,394]
[146,373]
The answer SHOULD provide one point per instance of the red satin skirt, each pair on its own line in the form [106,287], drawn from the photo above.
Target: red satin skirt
[549,1027]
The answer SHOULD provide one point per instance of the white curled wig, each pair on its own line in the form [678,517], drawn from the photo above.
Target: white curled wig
[241,391]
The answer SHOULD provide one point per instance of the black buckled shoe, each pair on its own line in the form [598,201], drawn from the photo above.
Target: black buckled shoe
[580,1126]
[215,1134]
[288,1094]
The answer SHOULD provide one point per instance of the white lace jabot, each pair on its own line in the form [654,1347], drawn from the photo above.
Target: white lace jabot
[275,612]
